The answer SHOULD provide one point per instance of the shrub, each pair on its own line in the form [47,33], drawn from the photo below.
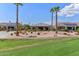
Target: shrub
[38,33]
[31,32]
[14,32]
[23,33]
[66,30]
[26,33]
[77,30]
[65,33]
[11,34]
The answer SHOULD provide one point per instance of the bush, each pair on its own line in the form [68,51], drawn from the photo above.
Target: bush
[65,33]
[11,34]
[38,33]
[23,33]
[31,32]
[77,30]
[26,33]
[66,30]
[14,32]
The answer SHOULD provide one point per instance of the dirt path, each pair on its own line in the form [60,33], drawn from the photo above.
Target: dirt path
[18,47]
[23,46]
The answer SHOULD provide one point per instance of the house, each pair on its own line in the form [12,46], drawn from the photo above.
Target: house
[7,26]
[61,26]
[41,27]
[68,26]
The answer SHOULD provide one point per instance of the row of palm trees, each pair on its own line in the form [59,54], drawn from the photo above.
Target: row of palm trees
[56,10]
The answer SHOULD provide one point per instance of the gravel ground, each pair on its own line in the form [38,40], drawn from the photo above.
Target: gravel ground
[43,34]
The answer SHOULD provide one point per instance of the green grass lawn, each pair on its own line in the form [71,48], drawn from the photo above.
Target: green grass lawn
[54,47]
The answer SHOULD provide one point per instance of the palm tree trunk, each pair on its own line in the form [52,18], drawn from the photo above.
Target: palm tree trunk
[56,23]
[52,22]
[17,32]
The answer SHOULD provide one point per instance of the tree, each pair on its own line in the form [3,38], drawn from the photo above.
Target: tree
[20,27]
[52,10]
[27,27]
[56,9]
[17,12]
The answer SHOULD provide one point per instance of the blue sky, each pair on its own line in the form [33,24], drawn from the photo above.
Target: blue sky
[32,13]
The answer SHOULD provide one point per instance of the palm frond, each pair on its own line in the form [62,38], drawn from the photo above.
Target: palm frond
[18,4]
[52,10]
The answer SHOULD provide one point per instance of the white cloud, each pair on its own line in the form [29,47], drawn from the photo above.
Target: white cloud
[48,22]
[69,10]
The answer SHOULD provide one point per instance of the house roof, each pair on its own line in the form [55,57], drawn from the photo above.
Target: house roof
[73,24]
[41,24]
[7,24]
[68,24]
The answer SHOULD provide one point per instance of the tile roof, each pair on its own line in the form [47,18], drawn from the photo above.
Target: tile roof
[68,24]
[7,24]
[41,24]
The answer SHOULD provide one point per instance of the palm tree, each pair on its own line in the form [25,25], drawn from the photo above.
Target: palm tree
[17,11]
[52,10]
[56,11]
